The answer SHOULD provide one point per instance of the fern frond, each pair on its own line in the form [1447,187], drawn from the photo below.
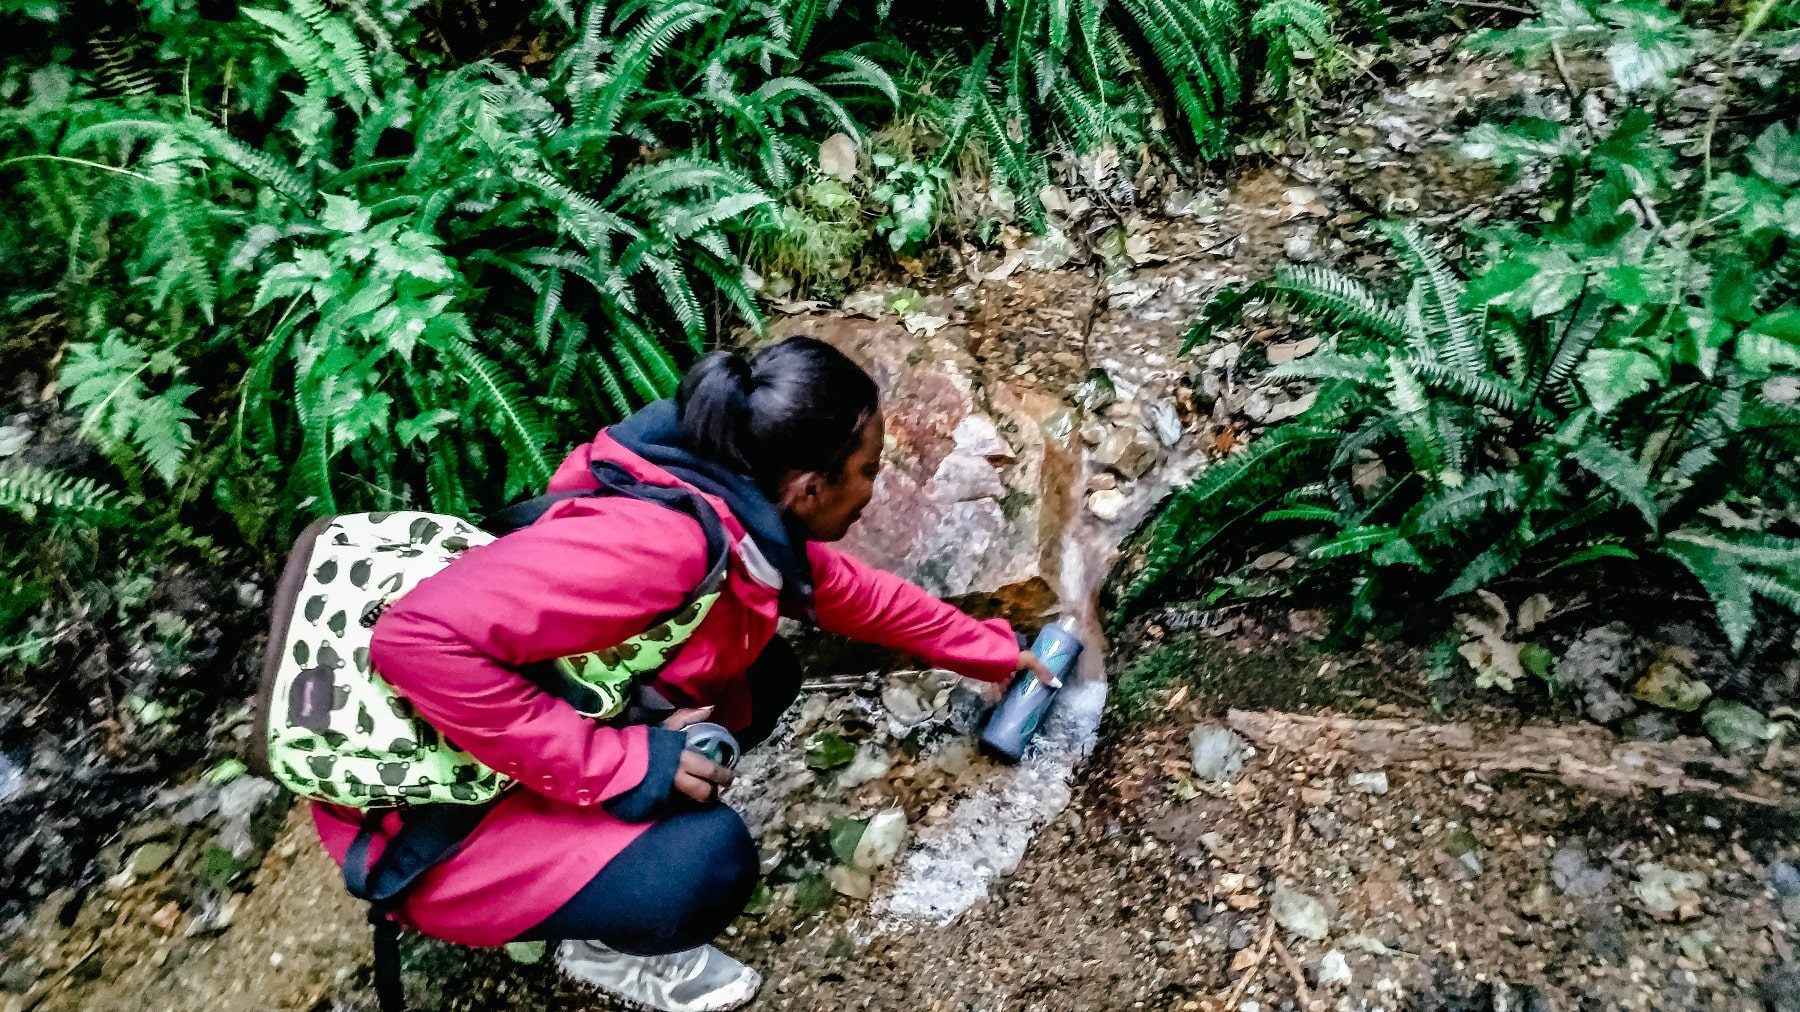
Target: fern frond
[512,416]
[1723,579]
[1449,332]
[1620,473]
[25,490]
[1340,299]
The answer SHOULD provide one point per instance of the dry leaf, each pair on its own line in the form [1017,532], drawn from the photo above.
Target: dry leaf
[837,157]
[1281,354]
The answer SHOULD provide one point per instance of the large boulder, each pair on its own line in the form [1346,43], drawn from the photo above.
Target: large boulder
[979,477]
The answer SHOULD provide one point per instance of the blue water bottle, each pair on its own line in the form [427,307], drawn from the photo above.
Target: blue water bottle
[1017,717]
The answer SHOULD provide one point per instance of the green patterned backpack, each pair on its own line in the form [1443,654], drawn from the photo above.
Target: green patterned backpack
[329,727]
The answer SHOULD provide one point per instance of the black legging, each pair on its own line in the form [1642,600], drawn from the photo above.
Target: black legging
[680,883]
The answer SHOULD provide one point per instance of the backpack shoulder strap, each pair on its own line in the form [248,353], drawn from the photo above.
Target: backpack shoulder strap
[616,480]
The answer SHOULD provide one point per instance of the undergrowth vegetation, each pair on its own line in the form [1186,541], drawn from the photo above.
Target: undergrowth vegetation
[1607,385]
[292,257]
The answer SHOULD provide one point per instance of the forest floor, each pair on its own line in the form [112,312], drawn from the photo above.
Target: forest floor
[1333,865]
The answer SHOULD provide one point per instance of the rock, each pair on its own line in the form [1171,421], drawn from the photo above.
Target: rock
[1780,990]
[1128,451]
[1096,393]
[984,530]
[1539,903]
[1299,913]
[1107,504]
[150,858]
[1165,421]
[1102,481]
[1219,753]
[1597,665]
[1668,894]
[1737,729]
[916,698]
[872,762]
[1574,876]
[881,840]
[1651,725]
[850,882]
[12,779]
[1300,249]
[1333,970]
[250,811]
[1369,783]
[1668,685]
[1785,878]
[1459,844]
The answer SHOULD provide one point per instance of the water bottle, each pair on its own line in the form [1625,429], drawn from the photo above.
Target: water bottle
[1017,717]
[713,741]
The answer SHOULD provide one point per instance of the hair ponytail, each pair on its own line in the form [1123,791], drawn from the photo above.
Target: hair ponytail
[715,407]
[797,406]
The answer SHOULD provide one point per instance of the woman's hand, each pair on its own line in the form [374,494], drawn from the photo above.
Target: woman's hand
[1028,661]
[698,777]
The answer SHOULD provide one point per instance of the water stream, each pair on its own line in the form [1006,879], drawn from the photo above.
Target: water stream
[954,861]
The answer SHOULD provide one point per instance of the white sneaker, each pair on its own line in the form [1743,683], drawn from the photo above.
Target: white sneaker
[698,980]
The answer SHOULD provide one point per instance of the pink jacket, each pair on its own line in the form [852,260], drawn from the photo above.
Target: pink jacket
[589,575]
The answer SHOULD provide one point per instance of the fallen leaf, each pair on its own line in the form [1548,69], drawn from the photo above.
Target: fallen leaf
[1281,354]
[837,157]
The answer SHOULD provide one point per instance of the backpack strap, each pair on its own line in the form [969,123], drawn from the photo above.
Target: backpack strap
[427,836]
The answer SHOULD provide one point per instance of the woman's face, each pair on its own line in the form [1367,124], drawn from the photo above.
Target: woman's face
[826,505]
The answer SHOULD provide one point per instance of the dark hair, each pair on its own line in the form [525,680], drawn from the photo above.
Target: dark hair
[799,405]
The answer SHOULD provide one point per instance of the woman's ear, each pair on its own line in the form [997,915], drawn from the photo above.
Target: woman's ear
[798,489]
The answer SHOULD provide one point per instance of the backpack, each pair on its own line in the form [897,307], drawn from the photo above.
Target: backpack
[328,727]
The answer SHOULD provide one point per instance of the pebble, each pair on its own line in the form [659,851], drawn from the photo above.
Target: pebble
[1333,969]
[1667,893]
[1218,752]
[1785,878]
[1570,870]
[1369,783]
[1299,913]
[1107,504]
[150,858]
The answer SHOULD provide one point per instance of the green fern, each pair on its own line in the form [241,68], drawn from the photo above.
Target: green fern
[27,490]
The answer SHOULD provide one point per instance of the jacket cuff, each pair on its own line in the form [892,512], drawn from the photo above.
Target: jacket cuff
[641,803]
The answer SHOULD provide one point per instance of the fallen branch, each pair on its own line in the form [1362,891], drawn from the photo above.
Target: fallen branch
[1582,755]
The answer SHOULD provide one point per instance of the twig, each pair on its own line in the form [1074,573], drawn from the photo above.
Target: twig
[1485,6]
[1293,968]
[1253,970]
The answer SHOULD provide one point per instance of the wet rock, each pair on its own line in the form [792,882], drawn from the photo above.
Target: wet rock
[1299,913]
[1218,752]
[1574,876]
[1096,393]
[1165,421]
[986,528]
[1368,783]
[1129,451]
[1737,729]
[1107,504]
[1333,970]
[881,840]
[1597,665]
[872,762]
[1668,894]
[850,882]
[916,698]
[1652,725]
